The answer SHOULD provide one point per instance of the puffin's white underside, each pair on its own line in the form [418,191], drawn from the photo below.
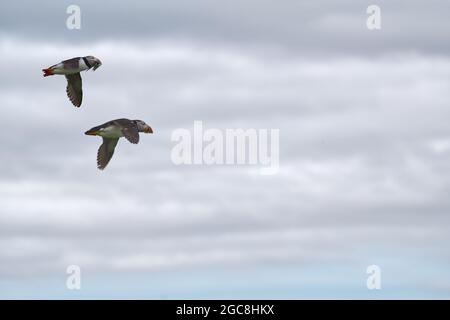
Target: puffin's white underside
[59,68]
[111,132]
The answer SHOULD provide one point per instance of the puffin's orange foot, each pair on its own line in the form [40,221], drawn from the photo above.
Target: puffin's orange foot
[47,72]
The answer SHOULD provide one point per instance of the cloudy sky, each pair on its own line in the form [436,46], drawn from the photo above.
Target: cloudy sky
[364,173]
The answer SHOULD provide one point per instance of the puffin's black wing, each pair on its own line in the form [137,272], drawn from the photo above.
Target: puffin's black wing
[74,88]
[131,132]
[105,152]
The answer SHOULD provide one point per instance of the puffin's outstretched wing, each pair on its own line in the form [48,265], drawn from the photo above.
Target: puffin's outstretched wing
[105,152]
[74,88]
[131,133]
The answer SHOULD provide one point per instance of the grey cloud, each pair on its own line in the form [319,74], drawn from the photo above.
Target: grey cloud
[296,26]
[349,162]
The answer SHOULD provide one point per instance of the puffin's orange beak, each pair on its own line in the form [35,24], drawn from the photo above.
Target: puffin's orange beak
[148,129]
[91,133]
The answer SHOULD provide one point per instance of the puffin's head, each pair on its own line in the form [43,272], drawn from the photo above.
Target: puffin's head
[94,62]
[143,127]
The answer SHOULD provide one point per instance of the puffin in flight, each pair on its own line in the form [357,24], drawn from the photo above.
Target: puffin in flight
[71,69]
[111,131]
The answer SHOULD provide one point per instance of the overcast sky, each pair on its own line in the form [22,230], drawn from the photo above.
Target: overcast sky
[364,150]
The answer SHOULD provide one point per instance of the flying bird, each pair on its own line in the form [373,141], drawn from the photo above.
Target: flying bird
[71,69]
[111,131]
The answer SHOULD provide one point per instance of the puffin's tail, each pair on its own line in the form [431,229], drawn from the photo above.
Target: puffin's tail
[48,72]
